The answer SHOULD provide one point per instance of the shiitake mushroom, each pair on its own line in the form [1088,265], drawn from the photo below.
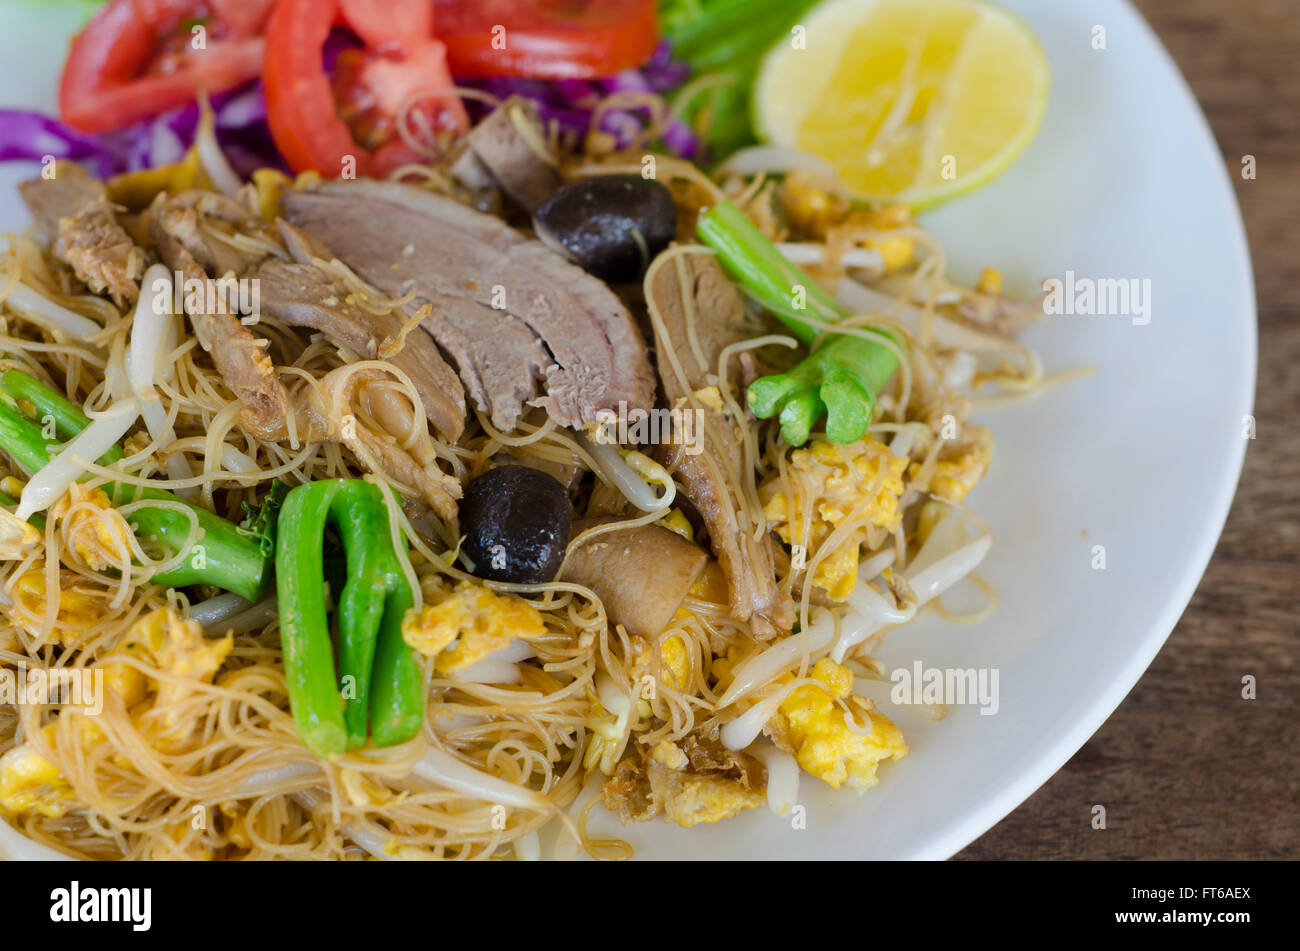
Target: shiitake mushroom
[612,226]
[516,522]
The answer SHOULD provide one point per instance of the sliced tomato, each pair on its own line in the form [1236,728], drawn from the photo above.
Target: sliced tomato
[318,126]
[546,39]
[379,22]
[135,58]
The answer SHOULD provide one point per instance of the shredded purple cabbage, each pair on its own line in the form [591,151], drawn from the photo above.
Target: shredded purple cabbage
[30,136]
[241,130]
[569,103]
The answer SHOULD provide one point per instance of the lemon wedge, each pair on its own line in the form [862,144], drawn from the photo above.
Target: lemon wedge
[911,101]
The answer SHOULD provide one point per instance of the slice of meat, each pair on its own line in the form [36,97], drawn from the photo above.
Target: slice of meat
[203,234]
[488,284]
[220,234]
[200,233]
[503,369]
[74,214]
[239,356]
[302,295]
[700,312]
[508,150]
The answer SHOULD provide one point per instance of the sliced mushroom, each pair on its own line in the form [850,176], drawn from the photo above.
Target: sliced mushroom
[640,574]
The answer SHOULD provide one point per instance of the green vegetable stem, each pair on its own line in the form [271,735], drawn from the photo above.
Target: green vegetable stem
[840,378]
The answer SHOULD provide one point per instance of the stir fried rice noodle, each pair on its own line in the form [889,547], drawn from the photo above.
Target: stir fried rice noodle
[195,753]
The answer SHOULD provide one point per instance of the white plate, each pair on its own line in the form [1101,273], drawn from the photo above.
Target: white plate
[1124,181]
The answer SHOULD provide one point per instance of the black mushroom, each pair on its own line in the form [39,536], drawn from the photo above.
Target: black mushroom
[640,574]
[612,226]
[516,521]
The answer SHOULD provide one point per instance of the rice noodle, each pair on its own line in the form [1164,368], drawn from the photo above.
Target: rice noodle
[511,740]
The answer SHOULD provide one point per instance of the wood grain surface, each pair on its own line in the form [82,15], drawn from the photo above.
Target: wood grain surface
[1185,767]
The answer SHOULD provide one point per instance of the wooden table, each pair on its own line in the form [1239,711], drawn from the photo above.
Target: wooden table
[1185,767]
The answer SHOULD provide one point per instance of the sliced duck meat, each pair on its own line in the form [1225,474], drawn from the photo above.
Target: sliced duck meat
[487,285]
[207,234]
[504,367]
[220,234]
[239,356]
[508,150]
[700,312]
[74,214]
[301,294]
[202,233]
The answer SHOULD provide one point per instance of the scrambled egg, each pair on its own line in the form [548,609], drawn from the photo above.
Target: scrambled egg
[675,521]
[97,534]
[468,625]
[30,782]
[174,645]
[81,604]
[990,281]
[673,654]
[667,753]
[812,210]
[955,477]
[693,799]
[856,482]
[812,725]
[807,206]
[898,251]
[691,783]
